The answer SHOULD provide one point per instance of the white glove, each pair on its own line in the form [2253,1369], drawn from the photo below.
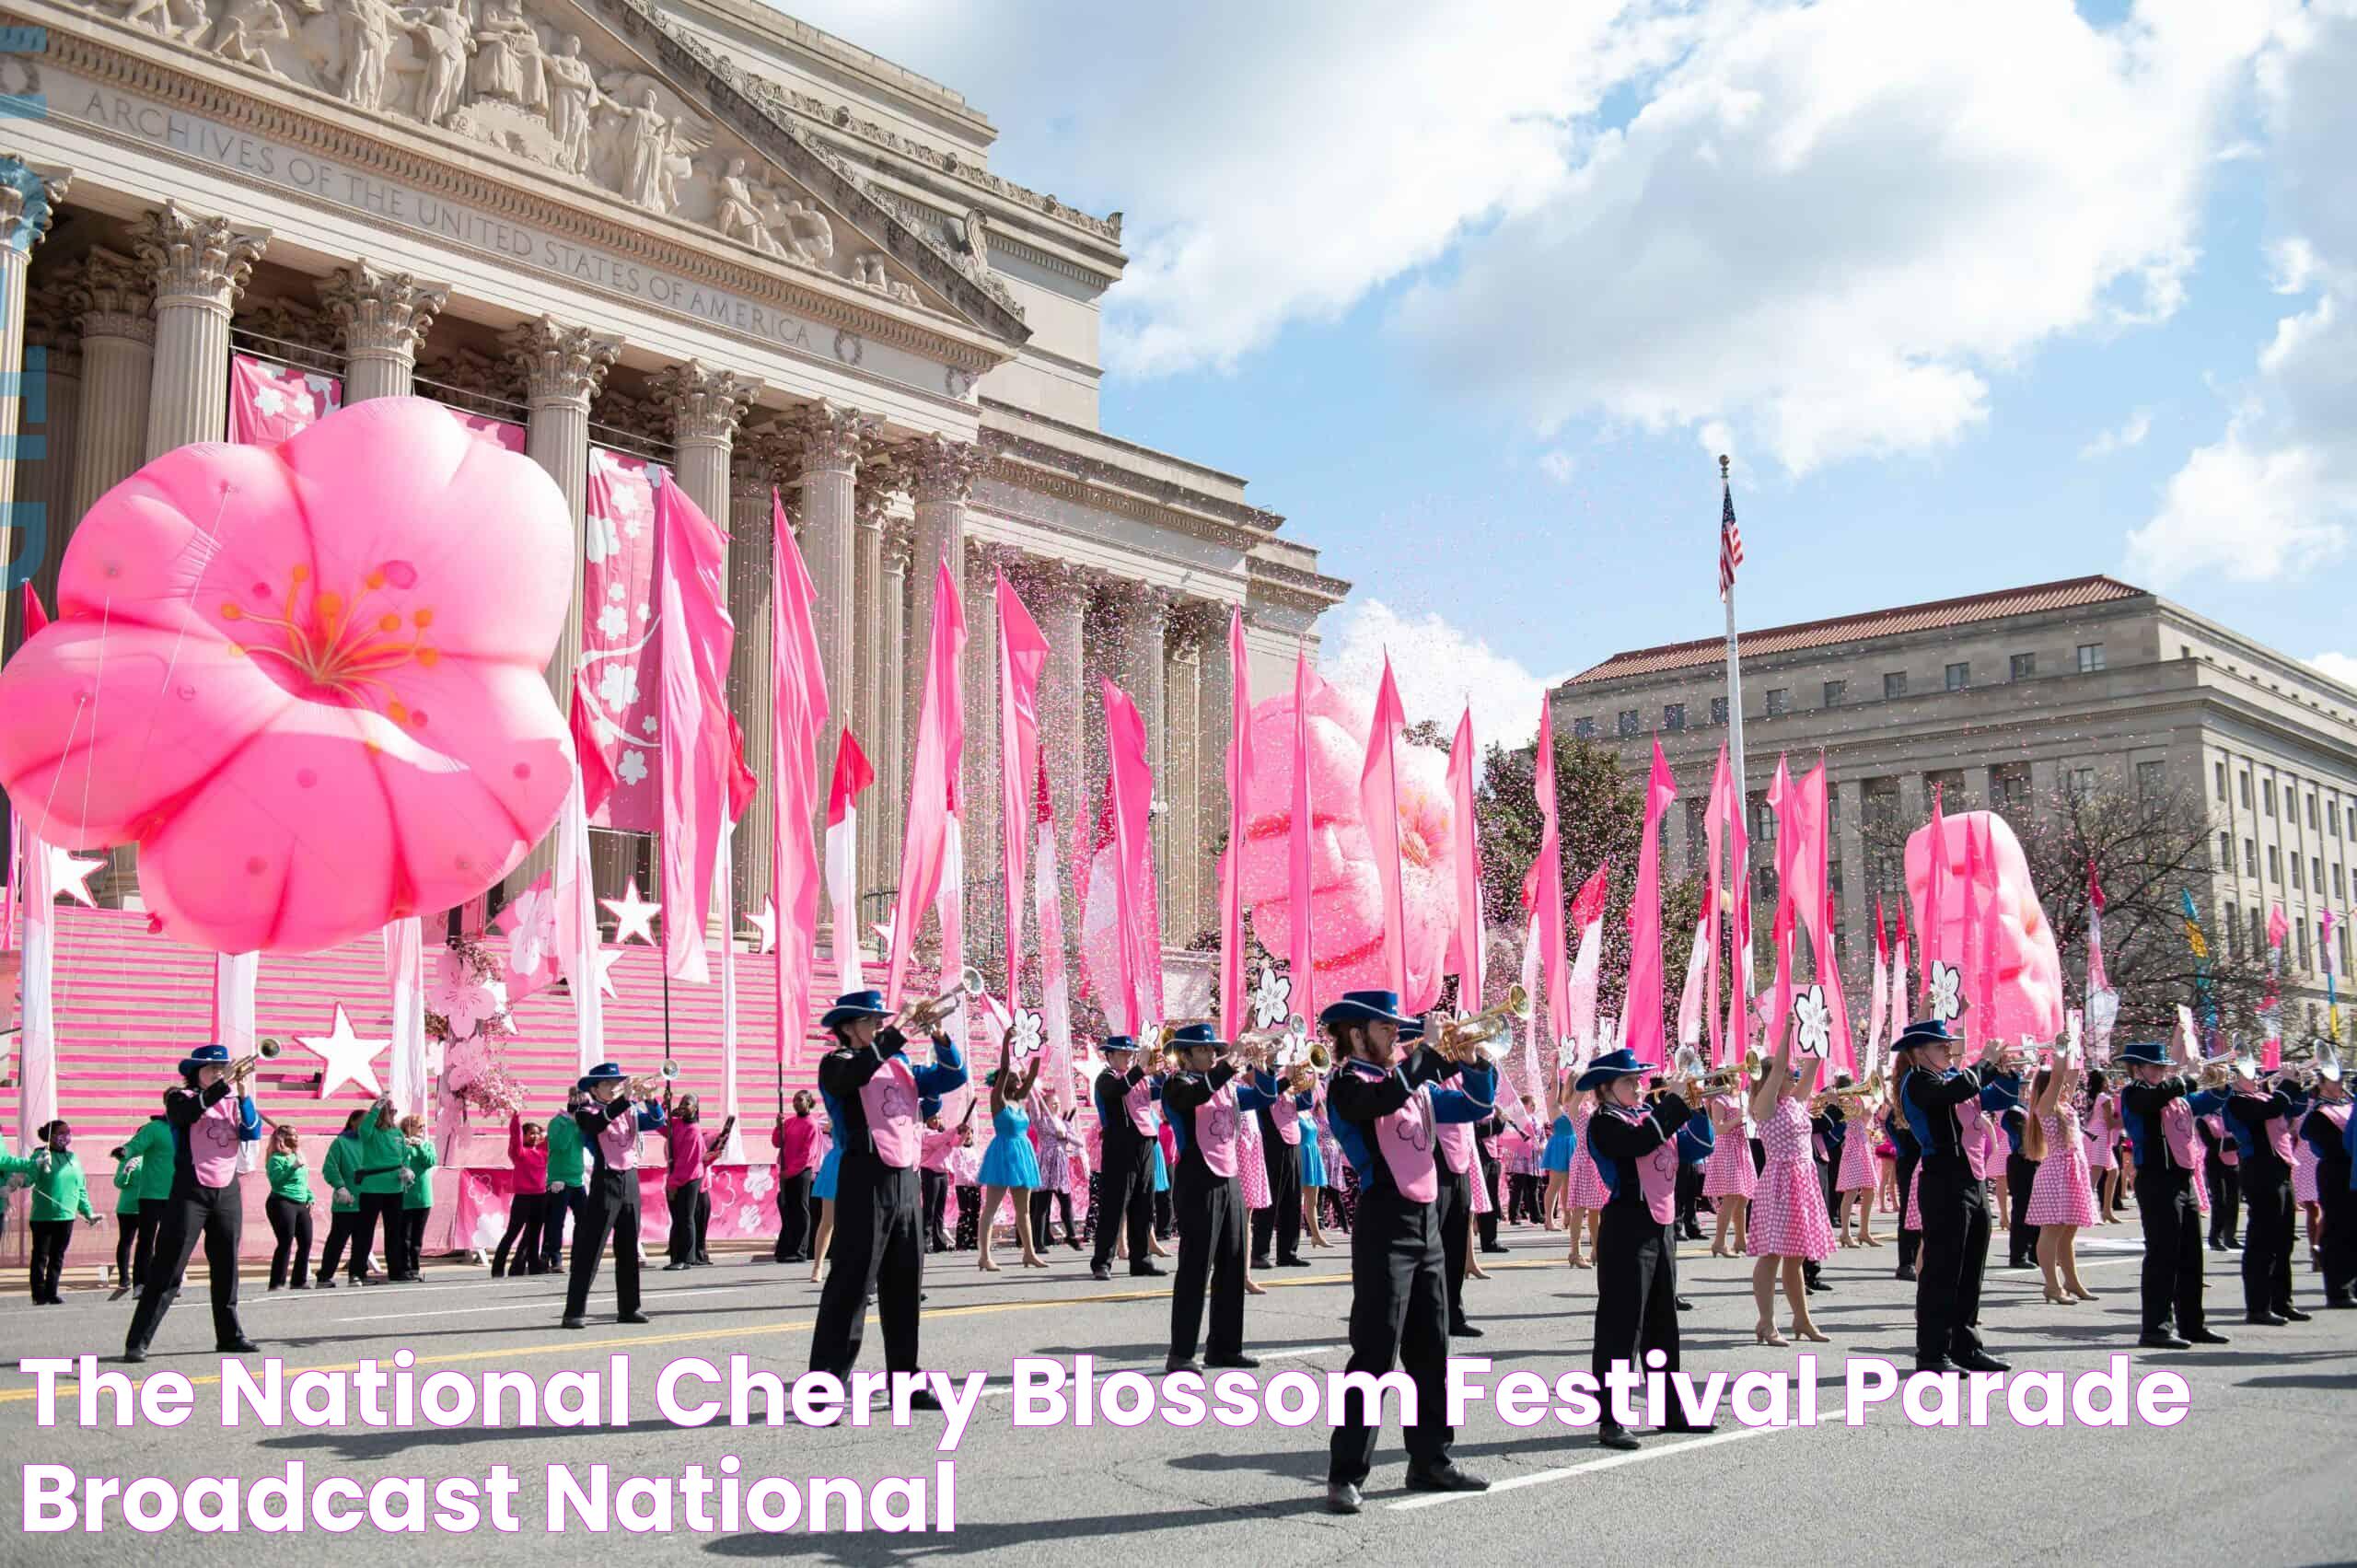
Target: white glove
[342,1196]
[556,1186]
[409,1179]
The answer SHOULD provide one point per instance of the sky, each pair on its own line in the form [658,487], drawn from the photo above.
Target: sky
[1973,296]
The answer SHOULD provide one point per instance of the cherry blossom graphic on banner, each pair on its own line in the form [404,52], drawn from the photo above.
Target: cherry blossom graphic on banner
[620,635]
[270,402]
[744,1205]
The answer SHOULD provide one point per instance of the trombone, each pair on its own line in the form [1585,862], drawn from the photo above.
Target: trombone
[927,1017]
[1485,1033]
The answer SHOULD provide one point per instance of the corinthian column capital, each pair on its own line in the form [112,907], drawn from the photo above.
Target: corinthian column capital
[30,197]
[833,436]
[945,469]
[381,312]
[196,260]
[561,364]
[704,404]
[114,297]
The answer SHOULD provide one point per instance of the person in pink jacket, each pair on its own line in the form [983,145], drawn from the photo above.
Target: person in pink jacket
[528,1202]
[689,1151]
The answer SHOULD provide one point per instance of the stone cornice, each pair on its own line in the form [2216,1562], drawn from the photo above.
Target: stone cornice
[110,53]
[1309,590]
[1030,465]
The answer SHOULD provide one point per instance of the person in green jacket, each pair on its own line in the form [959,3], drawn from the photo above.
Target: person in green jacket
[417,1195]
[152,1146]
[288,1208]
[564,1180]
[380,1171]
[126,1221]
[61,1195]
[343,1207]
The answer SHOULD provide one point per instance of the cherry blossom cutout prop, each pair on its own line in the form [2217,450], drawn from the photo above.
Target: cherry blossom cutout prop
[346,1058]
[633,916]
[1812,1022]
[305,680]
[2028,989]
[467,1003]
[1271,996]
[1027,1033]
[1946,998]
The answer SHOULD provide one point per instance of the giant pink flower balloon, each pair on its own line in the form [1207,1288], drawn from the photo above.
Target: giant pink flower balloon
[2029,966]
[306,679]
[1346,902]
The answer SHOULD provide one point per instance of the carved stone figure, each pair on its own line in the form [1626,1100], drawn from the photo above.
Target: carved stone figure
[804,231]
[738,216]
[173,18]
[365,30]
[445,40]
[244,27]
[647,176]
[978,240]
[573,90]
[508,56]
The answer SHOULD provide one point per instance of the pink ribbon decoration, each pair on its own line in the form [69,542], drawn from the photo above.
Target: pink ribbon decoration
[1546,896]
[573,891]
[1055,995]
[1380,804]
[2271,1006]
[852,777]
[932,834]
[1641,1019]
[798,677]
[1791,829]
[1466,953]
[1021,655]
[1714,832]
[698,638]
[1898,971]
[1240,771]
[1301,878]
[1132,780]
[2097,979]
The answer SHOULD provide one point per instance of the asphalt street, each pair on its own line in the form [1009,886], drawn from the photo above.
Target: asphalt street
[2259,1471]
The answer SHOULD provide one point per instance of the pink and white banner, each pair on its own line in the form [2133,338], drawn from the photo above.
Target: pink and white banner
[620,636]
[270,402]
[744,1205]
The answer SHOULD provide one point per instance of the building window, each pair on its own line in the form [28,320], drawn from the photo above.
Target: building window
[2312,813]
[2234,931]
[2083,782]
[2149,782]
[1833,689]
[2267,796]
[1763,821]
[2315,873]
[2344,946]
[1584,730]
[2336,884]
[2222,781]
[1959,677]
[2024,666]
[1718,709]
[2331,817]
[1672,717]
[2090,658]
[2258,931]
[1894,685]
[2009,787]
[2304,943]
[2250,857]
[2244,785]
[2225,852]
[2274,864]
[1780,700]
[1628,721]
[2295,874]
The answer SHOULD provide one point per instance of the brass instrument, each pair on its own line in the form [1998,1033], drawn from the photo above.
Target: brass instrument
[1486,1033]
[270,1050]
[1274,1038]
[925,1016]
[1168,1032]
[1720,1080]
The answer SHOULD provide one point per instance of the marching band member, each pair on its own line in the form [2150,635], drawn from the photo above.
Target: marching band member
[2103,1145]
[1907,1157]
[1695,1142]
[871,1092]
[1384,1110]
[1854,1182]
[2156,1109]
[1941,1106]
[1279,1221]
[2223,1169]
[2325,1130]
[1489,1185]
[1562,1140]
[1205,1106]
[617,1111]
[2304,1178]
[2061,1199]
[1790,1229]
[1459,1160]
[2004,1096]
[1635,1154]
[2259,1118]
[210,1114]
[1058,1147]
[1585,1192]
[1730,1179]
[1125,1096]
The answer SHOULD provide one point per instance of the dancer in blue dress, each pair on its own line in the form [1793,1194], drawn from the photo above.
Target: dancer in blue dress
[1304,1086]
[822,1192]
[1009,1165]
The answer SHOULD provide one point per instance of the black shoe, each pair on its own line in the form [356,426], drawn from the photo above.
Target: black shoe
[324,1282]
[1461,1330]
[631,1317]
[1934,1364]
[675,1268]
[1144,1271]
[2018,1263]
[2289,1314]
[922,1399]
[238,1346]
[1444,1477]
[574,1323]
[1982,1361]
[2217,1246]
[134,1353]
[1179,1364]
[2264,1320]
[1615,1437]
[1303,1262]
[1341,1497]
[1100,1272]
[2161,1338]
[1683,1304]
[2206,1337]
[2340,1303]
[1262,1264]
[1238,1361]
[1816,1287]
[300,1284]
[1501,1247]
[1904,1272]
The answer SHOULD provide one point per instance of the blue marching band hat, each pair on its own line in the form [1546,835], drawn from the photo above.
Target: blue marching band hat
[2142,1054]
[856,1004]
[1118,1042]
[205,1056]
[604,1073]
[1620,1064]
[1372,1006]
[1928,1031]
[1188,1036]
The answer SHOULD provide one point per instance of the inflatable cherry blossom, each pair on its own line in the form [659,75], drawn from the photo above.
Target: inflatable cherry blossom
[1346,903]
[305,679]
[2029,967]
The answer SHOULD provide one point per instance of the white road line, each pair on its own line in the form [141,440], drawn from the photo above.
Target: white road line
[651,1298]
[1434,1499]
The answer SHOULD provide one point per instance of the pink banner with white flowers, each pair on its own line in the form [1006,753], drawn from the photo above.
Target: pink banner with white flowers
[503,434]
[270,402]
[620,636]
[744,1206]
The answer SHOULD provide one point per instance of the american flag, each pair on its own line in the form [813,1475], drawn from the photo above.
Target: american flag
[1730,538]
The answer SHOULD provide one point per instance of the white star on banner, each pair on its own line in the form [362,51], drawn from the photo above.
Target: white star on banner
[605,959]
[348,1058]
[633,915]
[766,924]
[72,877]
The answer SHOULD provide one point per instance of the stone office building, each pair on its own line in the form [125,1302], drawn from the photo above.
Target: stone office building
[697,234]
[2002,700]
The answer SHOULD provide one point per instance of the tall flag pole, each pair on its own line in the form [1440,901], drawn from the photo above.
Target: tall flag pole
[1730,558]
[2200,947]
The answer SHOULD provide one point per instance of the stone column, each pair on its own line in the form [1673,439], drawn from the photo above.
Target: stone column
[1058,594]
[1144,613]
[385,317]
[945,473]
[28,199]
[985,865]
[878,486]
[831,436]
[1857,903]
[1182,838]
[890,800]
[1214,728]
[563,368]
[114,307]
[49,427]
[199,266]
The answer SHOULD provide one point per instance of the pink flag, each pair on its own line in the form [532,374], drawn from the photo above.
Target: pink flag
[852,776]
[1380,804]
[1545,898]
[697,640]
[1021,655]
[933,807]
[1928,924]
[1716,823]
[1055,995]
[2270,1005]
[1898,973]
[1973,954]
[597,774]
[1466,944]
[36,617]
[1993,941]
[1878,1008]
[1816,794]
[1300,878]
[2097,979]
[1689,1000]
[1240,822]
[1790,830]
[1641,1019]
[798,679]
[1139,945]
[1739,950]
[1587,914]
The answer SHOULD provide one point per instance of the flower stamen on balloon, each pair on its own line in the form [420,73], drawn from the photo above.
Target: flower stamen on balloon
[331,648]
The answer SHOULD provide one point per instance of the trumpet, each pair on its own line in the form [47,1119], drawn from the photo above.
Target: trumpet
[269,1049]
[1721,1079]
[1485,1031]
[925,1016]
[1275,1034]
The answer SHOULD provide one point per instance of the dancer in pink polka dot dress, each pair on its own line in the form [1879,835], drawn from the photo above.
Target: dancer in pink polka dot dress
[1584,1203]
[2060,1201]
[1730,1177]
[1789,1225]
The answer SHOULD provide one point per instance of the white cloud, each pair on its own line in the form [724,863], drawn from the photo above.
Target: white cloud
[1559,466]
[2341,667]
[2276,492]
[1438,668]
[2130,434]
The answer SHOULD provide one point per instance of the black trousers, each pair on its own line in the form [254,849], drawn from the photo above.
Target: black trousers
[794,1232]
[1125,1198]
[2226,1201]
[1398,1314]
[2020,1237]
[526,1212]
[1211,1255]
[932,1187]
[1524,1196]
[49,1242]
[879,1245]
[1910,1242]
[412,1222]
[1955,1205]
[385,1207]
[609,1208]
[343,1234]
[151,1225]
[216,1216]
[1451,1207]
[1281,1221]
[2171,1217]
[2267,1237]
[1045,1203]
[2340,1246]
[1486,1222]
[1636,1293]
[1690,1198]
[126,1250]
[290,1222]
[690,1218]
[572,1202]
[1166,1206]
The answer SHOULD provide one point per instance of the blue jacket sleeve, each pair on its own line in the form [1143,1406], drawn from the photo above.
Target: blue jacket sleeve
[1696,1140]
[249,1120]
[1257,1094]
[2002,1093]
[1474,1098]
[650,1115]
[946,1072]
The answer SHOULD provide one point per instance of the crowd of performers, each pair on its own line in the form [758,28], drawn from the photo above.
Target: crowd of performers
[1405,1147]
